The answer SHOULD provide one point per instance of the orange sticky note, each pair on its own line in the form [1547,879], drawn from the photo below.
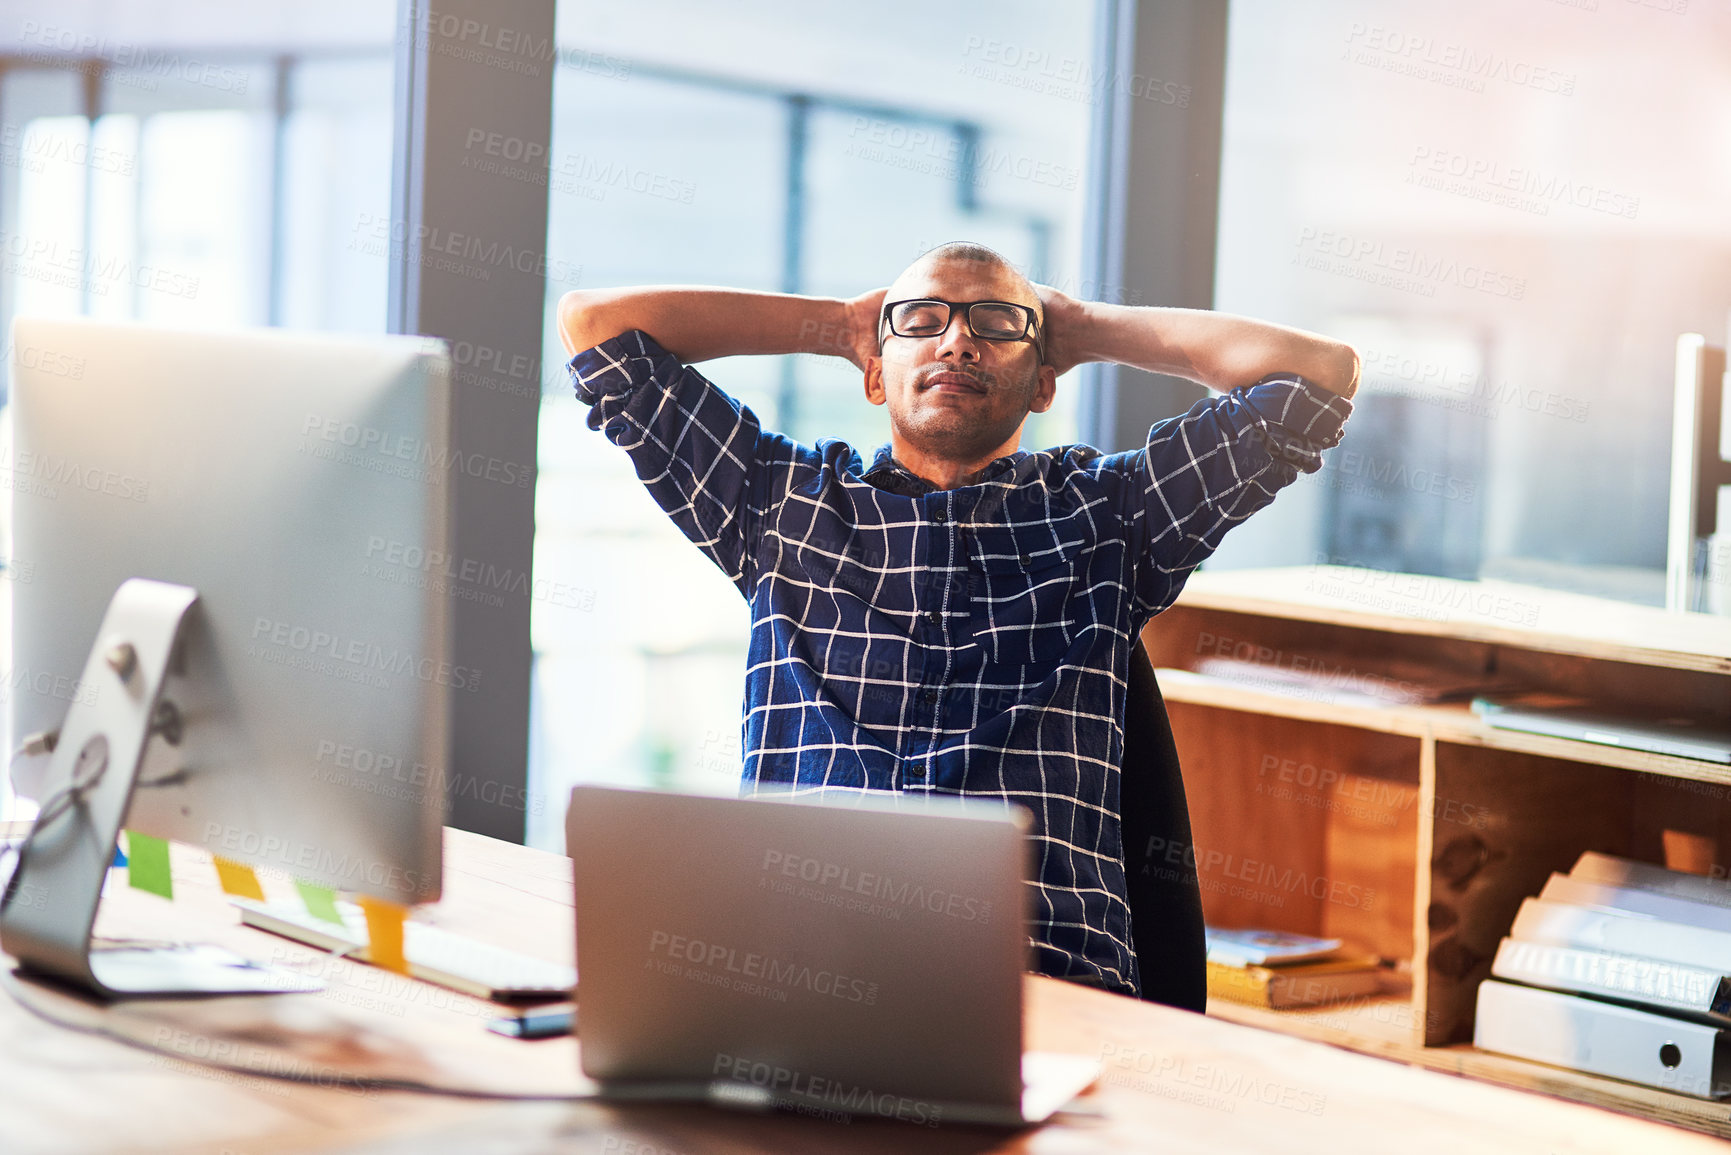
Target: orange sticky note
[237,879]
[384,932]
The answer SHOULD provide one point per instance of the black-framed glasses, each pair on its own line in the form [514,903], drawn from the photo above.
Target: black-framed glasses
[987,320]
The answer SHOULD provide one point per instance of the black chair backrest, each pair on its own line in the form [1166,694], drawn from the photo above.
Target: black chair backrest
[1159,861]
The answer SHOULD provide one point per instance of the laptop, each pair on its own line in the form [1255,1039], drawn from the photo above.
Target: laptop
[1678,737]
[852,955]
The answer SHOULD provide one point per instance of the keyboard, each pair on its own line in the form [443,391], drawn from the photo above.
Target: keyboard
[435,955]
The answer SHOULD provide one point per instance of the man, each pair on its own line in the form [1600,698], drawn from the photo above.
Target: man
[956,616]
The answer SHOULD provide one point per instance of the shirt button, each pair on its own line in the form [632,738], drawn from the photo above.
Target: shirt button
[1024,560]
[930,695]
[939,517]
[916,773]
[934,617]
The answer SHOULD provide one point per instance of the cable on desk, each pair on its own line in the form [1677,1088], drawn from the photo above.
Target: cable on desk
[327,1081]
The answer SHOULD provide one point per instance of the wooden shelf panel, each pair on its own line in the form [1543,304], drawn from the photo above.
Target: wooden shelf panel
[1503,613]
[1450,722]
[1383,1027]
[1383,1024]
[1711,1116]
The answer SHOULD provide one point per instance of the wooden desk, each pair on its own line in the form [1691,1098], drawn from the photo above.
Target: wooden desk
[1175,1082]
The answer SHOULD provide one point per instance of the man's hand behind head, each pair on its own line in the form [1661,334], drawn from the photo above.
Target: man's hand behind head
[1065,317]
[860,344]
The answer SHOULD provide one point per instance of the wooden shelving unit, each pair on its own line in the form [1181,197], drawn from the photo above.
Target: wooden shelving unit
[1417,830]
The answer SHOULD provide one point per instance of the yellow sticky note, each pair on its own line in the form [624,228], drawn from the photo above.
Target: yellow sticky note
[384,932]
[237,879]
[147,864]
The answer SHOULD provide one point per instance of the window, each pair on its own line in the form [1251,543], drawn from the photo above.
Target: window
[145,178]
[1513,213]
[797,148]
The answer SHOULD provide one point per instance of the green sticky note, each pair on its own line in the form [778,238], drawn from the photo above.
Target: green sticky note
[321,903]
[147,864]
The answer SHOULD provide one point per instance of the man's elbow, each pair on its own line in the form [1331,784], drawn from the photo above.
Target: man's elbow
[585,320]
[1340,369]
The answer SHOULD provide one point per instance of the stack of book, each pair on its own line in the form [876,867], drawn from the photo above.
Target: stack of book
[1278,969]
[1618,968]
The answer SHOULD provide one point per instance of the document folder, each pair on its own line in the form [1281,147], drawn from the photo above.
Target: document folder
[1603,1039]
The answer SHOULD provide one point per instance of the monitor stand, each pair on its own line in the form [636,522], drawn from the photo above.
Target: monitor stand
[65,859]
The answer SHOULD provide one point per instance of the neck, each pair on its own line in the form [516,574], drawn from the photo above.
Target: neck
[941,470]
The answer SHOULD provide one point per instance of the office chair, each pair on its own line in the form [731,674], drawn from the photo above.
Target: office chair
[1165,900]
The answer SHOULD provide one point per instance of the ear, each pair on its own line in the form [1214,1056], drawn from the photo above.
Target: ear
[1045,391]
[874,381]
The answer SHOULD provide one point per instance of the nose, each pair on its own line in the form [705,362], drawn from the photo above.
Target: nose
[956,342]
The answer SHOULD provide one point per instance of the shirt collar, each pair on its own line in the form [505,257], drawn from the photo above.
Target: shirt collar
[889,474]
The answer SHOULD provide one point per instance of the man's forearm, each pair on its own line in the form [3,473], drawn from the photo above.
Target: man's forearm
[698,324]
[1219,350]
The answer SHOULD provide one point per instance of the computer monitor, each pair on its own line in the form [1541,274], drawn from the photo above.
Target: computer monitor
[299,484]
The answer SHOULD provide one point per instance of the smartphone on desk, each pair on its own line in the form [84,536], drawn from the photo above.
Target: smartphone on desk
[547,1023]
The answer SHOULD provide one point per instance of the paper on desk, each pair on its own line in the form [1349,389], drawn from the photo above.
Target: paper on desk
[237,879]
[385,932]
[147,864]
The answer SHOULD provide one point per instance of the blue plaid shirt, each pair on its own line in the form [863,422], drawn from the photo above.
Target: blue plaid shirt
[971,641]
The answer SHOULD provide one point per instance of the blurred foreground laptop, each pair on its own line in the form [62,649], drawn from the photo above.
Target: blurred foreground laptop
[861,957]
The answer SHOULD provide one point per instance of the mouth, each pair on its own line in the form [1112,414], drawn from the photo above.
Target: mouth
[955,381]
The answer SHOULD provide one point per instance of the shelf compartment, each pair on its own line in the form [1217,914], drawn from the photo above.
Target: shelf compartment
[1302,828]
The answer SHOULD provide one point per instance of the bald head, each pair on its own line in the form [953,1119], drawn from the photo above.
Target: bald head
[979,263]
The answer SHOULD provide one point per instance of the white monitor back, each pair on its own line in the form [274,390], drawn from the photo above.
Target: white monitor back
[285,477]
